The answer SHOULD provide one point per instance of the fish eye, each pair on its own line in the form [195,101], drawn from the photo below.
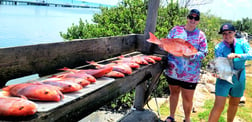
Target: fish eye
[46,92]
[22,107]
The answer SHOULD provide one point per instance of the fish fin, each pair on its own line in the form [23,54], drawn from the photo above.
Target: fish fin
[237,73]
[153,39]
[23,97]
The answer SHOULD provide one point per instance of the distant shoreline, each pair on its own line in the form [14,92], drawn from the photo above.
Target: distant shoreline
[45,3]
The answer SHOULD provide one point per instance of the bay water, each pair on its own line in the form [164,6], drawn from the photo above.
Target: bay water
[28,25]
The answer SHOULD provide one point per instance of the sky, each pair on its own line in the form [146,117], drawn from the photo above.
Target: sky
[226,9]
[229,9]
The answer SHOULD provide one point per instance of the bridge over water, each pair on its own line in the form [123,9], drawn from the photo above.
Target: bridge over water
[43,3]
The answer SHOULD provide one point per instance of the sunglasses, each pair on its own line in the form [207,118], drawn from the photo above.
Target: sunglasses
[230,32]
[195,18]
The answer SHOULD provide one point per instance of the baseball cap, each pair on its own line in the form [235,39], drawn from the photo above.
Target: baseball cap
[194,11]
[226,27]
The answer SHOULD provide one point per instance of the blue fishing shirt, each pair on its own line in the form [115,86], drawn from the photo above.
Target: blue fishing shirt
[242,47]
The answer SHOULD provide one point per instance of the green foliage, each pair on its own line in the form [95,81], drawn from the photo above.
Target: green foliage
[162,88]
[122,102]
[244,25]
[168,17]
[129,17]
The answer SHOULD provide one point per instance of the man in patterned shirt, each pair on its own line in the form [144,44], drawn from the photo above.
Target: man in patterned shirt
[183,73]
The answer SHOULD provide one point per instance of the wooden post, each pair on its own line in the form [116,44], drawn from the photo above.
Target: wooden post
[150,24]
[141,88]
[150,27]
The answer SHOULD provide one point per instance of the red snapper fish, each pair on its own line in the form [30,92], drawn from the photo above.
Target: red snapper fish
[115,74]
[15,106]
[65,86]
[81,81]
[121,67]
[35,91]
[76,74]
[156,58]
[176,46]
[130,63]
[146,58]
[97,73]
[134,59]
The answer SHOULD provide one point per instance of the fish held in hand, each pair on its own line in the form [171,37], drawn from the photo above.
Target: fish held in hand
[223,69]
[175,46]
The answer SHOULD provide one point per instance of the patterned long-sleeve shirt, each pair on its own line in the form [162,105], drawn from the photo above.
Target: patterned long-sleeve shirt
[242,47]
[187,69]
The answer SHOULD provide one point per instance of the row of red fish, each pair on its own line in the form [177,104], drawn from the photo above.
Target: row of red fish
[52,88]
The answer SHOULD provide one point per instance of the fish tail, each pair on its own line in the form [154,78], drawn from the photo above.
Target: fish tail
[121,56]
[92,62]
[237,73]
[65,69]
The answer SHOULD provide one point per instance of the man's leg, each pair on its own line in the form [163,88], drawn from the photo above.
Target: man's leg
[174,97]
[232,108]
[217,109]
[187,96]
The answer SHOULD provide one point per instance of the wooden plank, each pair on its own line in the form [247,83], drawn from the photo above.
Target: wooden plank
[45,59]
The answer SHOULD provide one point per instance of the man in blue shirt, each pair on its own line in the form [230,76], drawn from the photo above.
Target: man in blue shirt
[239,51]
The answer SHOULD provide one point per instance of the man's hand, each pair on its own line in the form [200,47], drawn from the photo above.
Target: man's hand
[187,55]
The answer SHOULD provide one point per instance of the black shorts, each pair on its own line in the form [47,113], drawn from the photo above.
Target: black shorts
[182,84]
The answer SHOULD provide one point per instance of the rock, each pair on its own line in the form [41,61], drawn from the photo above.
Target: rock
[210,87]
[140,116]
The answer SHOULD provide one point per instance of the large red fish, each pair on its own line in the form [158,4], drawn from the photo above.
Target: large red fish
[65,86]
[35,91]
[176,46]
[14,106]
